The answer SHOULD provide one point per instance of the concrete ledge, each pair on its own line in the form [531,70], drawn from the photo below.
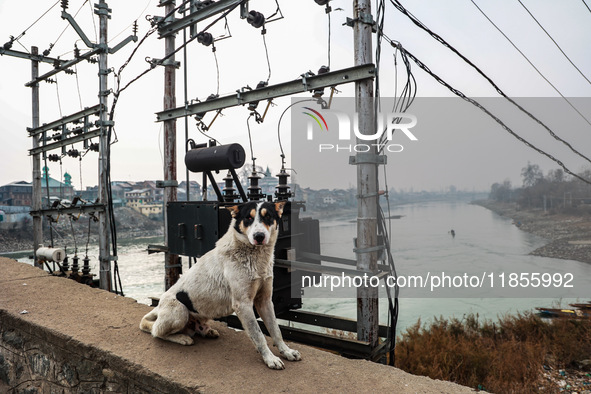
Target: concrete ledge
[78,339]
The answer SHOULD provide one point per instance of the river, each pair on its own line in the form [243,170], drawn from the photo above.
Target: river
[420,235]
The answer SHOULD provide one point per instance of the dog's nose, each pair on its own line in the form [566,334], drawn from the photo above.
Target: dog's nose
[259,238]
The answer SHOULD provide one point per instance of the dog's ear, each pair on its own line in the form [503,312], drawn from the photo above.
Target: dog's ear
[233,210]
[279,207]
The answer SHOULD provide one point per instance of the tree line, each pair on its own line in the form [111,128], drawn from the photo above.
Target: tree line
[556,190]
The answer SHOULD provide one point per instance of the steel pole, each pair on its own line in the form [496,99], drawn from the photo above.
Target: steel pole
[37,189]
[104,254]
[367,297]
[171,261]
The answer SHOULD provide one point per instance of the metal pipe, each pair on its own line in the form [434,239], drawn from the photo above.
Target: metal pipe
[37,190]
[367,297]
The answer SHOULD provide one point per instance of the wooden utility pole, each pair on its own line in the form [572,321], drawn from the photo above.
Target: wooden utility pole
[171,261]
[103,227]
[37,189]
[367,188]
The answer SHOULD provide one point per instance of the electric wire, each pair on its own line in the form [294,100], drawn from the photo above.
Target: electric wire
[531,64]
[329,39]
[385,230]
[279,123]
[48,195]
[93,21]
[73,236]
[438,38]
[554,41]
[217,70]
[586,5]
[267,55]
[155,28]
[34,23]
[131,24]
[78,86]
[47,51]
[250,140]
[57,91]
[495,118]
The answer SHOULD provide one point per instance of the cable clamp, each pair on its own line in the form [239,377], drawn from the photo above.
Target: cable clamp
[360,196]
[109,258]
[369,250]
[166,62]
[368,158]
[168,183]
[365,18]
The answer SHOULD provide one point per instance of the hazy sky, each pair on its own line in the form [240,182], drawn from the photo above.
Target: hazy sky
[468,159]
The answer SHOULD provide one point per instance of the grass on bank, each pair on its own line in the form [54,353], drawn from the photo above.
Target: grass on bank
[501,357]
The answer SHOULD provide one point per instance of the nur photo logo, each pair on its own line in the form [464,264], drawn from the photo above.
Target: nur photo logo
[348,129]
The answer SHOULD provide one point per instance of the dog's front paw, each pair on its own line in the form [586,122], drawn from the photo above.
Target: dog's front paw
[274,362]
[212,333]
[291,355]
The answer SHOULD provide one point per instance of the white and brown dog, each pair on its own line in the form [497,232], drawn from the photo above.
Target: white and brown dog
[234,276]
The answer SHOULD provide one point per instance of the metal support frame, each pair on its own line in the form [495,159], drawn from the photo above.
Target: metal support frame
[66,141]
[168,29]
[364,72]
[35,130]
[32,56]
[347,347]
[65,66]
[87,208]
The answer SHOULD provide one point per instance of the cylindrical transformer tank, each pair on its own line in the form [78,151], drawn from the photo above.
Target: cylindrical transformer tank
[215,158]
[51,254]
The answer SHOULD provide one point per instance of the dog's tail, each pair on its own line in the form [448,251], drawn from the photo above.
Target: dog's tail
[148,320]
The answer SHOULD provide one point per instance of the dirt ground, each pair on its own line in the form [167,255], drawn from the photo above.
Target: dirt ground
[228,364]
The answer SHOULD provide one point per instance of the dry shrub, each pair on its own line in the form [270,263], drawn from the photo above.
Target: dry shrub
[502,357]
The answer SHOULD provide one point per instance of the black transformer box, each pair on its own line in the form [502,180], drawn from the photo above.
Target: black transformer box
[195,226]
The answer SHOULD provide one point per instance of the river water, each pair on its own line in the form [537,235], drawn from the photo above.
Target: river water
[422,234]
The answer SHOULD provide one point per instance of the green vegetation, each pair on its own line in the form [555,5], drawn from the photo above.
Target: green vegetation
[507,356]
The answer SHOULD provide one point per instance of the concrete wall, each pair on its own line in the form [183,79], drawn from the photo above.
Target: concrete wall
[75,339]
[35,360]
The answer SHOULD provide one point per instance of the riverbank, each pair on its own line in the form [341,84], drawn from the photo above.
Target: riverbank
[130,225]
[568,235]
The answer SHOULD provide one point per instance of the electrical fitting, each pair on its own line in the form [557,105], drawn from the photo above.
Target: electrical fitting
[205,38]
[255,19]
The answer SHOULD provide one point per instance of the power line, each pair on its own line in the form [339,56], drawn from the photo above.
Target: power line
[586,5]
[554,41]
[34,23]
[531,64]
[437,37]
[48,50]
[267,54]
[495,118]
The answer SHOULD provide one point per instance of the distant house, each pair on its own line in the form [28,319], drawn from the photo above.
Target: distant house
[150,210]
[138,197]
[16,194]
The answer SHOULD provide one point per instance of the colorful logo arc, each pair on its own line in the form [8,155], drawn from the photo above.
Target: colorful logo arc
[316,118]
